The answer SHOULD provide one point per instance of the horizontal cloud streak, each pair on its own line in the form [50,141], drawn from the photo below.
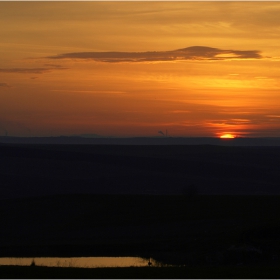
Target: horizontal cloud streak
[190,53]
[4,85]
[30,70]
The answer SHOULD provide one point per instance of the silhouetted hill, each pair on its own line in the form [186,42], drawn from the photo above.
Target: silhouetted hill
[273,141]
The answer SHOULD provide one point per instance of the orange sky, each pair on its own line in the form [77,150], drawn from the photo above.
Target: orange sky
[136,68]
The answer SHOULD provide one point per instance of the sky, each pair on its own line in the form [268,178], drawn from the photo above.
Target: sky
[127,69]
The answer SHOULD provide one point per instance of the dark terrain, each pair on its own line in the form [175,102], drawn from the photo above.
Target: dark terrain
[194,205]
[47,169]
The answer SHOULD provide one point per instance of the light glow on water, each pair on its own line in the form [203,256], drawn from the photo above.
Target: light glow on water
[89,262]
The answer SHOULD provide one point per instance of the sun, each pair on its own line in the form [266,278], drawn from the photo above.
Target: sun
[227,135]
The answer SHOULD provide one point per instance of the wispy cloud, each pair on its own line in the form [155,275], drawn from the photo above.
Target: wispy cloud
[4,85]
[190,53]
[38,70]
[54,66]
[91,91]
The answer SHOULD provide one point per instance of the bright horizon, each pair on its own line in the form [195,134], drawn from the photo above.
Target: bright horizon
[128,69]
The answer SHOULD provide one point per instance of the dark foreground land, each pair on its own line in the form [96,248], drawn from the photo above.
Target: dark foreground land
[214,209]
[201,230]
[228,272]
[38,170]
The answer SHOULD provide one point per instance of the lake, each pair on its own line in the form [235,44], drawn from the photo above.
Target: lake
[89,262]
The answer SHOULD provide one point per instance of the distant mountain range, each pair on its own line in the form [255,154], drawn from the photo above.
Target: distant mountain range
[93,139]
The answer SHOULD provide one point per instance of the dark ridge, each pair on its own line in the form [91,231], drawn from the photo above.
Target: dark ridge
[265,141]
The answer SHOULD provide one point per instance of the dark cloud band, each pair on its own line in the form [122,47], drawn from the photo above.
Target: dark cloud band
[30,70]
[4,85]
[190,53]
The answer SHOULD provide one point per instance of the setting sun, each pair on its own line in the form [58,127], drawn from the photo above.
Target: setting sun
[227,135]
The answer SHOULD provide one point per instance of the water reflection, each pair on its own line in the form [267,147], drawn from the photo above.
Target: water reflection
[80,261]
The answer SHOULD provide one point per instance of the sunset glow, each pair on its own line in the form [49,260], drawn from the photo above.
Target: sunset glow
[227,135]
[135,68]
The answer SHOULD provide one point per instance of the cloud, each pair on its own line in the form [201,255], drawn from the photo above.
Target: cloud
[190,53]
[4,85]
[54,66]
[39,70]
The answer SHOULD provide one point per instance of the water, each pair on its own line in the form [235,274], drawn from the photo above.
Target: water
[89,262]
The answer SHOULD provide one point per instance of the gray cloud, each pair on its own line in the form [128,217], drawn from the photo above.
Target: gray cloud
[4,85]
[54,66]
[30,70]
[190,53]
